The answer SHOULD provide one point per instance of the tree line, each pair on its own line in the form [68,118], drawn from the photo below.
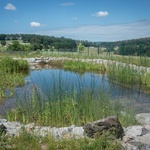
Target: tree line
[138,47]
[39,42]
[135,47]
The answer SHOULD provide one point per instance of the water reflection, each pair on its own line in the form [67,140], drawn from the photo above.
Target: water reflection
[52,82]
[46,79]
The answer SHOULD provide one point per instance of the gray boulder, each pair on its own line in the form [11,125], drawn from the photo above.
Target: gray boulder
[143,118]
[30,60]
[136,138]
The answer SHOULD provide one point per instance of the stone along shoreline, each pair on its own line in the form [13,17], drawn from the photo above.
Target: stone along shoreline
[135,137]
[47,60]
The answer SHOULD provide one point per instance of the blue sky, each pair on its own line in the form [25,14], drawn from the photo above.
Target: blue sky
[93,20]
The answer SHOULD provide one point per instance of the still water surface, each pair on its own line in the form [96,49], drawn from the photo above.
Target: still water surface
[52,81]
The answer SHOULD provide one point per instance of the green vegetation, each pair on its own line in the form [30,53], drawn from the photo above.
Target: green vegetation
[83,66]
[66,108]
[3,43]
[10,65]
[136,47]
[39,42]
[28,141]
[16,46]
[80,48]
[12,74]
[78,106]
[124,74]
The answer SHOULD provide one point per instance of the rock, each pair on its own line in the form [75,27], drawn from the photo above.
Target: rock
[3,121]
[97,128]
[147,127]
[78,132]
[133,131]
[68,132]
[60,133]
[2,129]
[42,57]
[143,118]
[42,131]
[32,67]
[134,146]
[29,126]
[38,61]
[30,60]
[145,139]
[13,128]
[136,137]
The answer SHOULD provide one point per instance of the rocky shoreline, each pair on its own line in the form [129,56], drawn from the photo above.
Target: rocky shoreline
[47,60]
[135,137]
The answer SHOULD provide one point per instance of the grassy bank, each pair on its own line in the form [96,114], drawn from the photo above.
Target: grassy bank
[136,60]
[12,73]
[83,66]
[126,75]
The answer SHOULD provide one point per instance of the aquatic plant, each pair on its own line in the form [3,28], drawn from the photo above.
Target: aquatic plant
[12,73]
[124,74]
[65,105]
[83,66]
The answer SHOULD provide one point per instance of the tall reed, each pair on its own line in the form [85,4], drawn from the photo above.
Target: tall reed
[83,66]
[65,105]
[8,64]
[124,74]
[11,75]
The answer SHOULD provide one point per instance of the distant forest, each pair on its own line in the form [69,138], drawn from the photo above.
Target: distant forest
[137,47]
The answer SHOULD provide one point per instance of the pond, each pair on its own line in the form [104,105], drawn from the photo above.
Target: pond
[52,82]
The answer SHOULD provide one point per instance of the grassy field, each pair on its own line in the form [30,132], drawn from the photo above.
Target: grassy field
[91,52]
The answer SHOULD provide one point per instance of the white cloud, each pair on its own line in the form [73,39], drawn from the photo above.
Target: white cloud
[101,14]
[67,4]
[114,32]
[35,24]
[10,6]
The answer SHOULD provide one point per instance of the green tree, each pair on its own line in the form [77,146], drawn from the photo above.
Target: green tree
[80,48]
[3,42]
[15,46]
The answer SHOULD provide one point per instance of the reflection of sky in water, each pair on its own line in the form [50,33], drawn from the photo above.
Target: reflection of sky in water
[57,81]
[68,81]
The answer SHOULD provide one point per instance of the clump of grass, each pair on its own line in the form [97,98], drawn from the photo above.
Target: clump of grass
[124,74]
[146,79]
[9,81]
[11,75]
[83,66]
[57,63]
[128,76]
[66,109]
[10,65]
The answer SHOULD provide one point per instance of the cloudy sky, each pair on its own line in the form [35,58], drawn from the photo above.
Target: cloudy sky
[93,20]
